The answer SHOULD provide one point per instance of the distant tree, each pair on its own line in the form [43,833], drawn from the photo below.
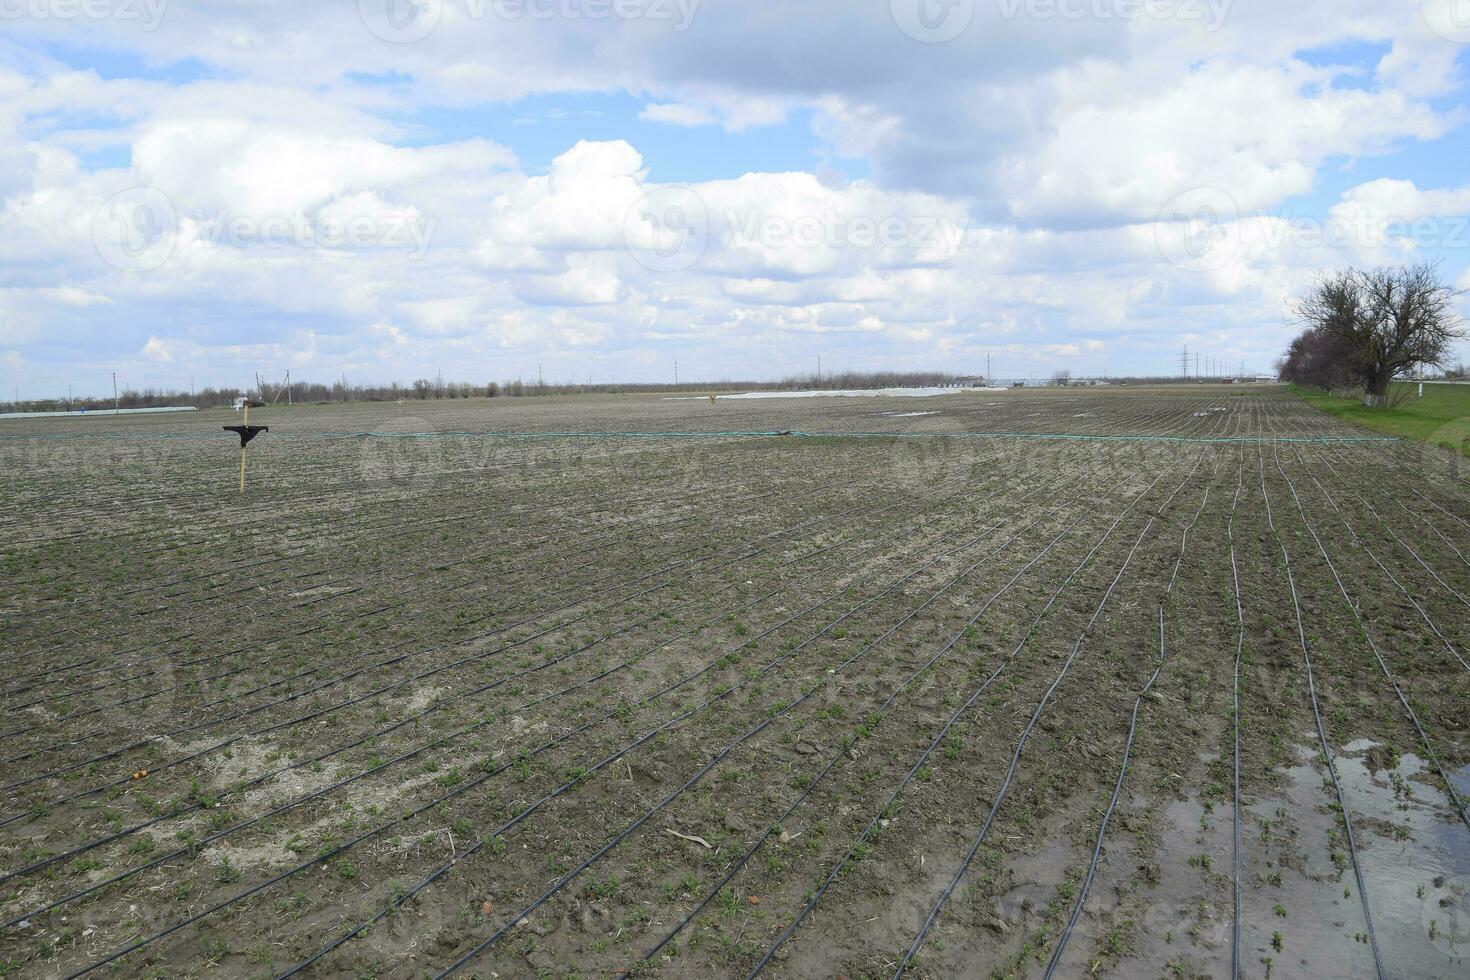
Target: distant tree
[1390,321]
[492,389]
[422,387]
[1061,378]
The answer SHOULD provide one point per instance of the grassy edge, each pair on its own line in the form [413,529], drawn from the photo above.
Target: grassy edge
[1440,427]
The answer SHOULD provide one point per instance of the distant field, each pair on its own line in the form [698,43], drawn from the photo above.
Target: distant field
[605,686]
[1441,417]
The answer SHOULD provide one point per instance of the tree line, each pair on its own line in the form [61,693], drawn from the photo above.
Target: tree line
[425,389]
[1364,329]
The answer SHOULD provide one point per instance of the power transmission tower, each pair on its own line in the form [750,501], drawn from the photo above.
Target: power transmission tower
[1184,362]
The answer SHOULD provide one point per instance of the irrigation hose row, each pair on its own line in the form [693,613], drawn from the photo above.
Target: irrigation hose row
[816,896]
[438,704]
[640,821]
[1015,761]
[525,813]
[1066,934]
[1327,758]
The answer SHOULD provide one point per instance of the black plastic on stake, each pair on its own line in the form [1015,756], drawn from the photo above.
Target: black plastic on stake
[246,432]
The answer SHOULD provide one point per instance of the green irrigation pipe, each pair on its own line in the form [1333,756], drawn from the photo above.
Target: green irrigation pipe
[718,434]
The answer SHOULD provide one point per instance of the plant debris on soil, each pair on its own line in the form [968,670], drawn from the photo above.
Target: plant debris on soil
[607,685]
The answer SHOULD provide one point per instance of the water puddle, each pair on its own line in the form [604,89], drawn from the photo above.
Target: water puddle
[1416,861]
[1300,905]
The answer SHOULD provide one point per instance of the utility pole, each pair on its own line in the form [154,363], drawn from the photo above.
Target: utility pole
[115,406]
[988,378]
[676,371]
[1196,365]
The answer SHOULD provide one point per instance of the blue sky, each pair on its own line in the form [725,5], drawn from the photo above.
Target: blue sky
[196,191]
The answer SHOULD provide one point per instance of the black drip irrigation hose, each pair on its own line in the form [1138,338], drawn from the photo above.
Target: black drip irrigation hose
[474,783]
[338,679]
[833,762]
[969,702]
[240,787]
[500,629]
[1423,614]
[1015,762]
[1235,729]
[399,600]
[1066,935]
[1327,758]
[1086,887]
[1413,716]
[125,780]
[448,866]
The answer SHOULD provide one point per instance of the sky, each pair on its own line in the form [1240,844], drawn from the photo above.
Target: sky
[194,191]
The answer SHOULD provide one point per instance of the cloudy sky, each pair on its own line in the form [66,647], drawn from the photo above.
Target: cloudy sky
[196,190]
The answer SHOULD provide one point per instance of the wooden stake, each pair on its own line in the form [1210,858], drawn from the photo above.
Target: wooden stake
[244,449]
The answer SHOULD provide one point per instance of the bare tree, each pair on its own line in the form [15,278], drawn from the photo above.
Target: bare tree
[1390,321]
[1316,358]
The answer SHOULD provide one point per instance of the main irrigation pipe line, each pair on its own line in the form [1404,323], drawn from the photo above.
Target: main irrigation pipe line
[1015,762]
[1327,757]
[836,758]
[969,702]
[240,787]
[469,785]
[648,815]
[1086,887]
